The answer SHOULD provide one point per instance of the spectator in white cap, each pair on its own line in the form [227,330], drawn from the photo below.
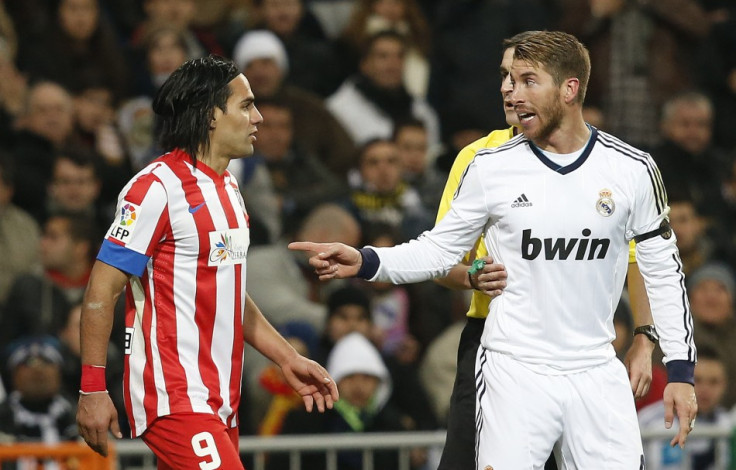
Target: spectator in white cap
[313,62]
[711,292]
[261,56]
[267,51]
[365,387]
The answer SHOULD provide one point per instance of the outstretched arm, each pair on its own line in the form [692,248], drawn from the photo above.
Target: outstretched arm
[95,412]
[309,379]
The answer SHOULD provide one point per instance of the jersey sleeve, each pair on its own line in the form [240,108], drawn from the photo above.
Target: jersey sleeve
[435,252]
[661,267]
[463,159]
[140,218]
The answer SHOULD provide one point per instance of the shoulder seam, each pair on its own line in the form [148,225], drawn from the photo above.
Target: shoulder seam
[505,146]
[645,159]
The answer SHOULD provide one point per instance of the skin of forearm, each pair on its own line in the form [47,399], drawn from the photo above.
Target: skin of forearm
[638,299]
[456,279]
[259,333]
[98,306]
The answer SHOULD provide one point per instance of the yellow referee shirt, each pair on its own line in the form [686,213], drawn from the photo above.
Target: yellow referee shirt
[480,302]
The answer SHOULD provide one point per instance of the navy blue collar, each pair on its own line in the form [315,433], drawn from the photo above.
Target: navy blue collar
[563,170]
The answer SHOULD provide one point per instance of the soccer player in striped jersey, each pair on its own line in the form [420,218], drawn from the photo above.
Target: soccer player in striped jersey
[547,375]
[179,244]
[459,450]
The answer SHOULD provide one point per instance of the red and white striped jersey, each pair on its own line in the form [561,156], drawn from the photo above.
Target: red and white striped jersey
[182,233]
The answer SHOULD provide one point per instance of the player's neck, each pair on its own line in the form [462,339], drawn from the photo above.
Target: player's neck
[570,136]
[214,160]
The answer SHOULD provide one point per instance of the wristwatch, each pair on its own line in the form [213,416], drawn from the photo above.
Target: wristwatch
[649,331]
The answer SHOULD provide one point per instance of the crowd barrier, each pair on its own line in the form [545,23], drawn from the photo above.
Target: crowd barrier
[67,456]
[129,454]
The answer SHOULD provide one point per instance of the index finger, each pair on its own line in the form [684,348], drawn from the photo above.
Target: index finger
[307,246]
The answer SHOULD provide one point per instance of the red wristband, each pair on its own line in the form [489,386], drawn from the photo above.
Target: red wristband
[93,379]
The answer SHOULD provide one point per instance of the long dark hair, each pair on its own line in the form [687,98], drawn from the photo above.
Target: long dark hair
[186,103]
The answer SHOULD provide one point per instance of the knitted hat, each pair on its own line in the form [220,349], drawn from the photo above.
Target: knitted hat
[260,44]
[717,272]
[355,354]
[46,348]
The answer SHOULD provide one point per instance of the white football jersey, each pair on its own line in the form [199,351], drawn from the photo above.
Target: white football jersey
[562,233]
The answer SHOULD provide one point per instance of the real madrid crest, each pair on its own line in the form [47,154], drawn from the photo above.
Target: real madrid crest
[605,205]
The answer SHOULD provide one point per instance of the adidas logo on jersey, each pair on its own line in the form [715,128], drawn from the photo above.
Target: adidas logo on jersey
[521,201]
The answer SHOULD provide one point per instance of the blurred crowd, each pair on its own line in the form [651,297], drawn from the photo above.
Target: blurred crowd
[365,105]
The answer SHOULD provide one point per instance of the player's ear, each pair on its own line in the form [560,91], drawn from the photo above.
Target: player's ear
[215,117]
[572,87]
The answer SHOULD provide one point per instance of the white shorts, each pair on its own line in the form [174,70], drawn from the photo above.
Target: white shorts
[588,418]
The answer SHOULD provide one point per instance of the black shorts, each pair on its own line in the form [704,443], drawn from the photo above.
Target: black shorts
[459,451]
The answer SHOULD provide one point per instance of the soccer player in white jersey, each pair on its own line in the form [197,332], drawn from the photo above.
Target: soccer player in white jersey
[179,243]
[558,205]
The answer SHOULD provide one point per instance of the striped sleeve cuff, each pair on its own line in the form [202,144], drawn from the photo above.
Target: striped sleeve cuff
[123,258]
[681,371]
[370,265]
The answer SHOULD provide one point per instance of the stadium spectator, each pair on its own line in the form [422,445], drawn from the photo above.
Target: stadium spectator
[687,158]
[711,383]
[379,195]
[179,14]
[162,50]
[47,125]
[13,89]
[79,45]
[135,120]
[270,268]
[19,234]
[390,306]
[365,388]
[39,302]
[75,186]
[262,57]
[371,102]
[695,246]
[711,291]
[36,410]
[313,65]
[300,179]
[632,73]
[402,16]
[417,168]
[348,311]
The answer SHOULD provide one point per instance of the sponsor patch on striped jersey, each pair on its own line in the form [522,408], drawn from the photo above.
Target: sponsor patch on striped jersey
[228,247]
